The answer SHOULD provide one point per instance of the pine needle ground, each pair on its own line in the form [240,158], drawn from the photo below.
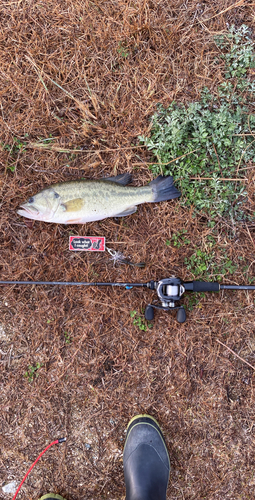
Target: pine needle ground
[79,82]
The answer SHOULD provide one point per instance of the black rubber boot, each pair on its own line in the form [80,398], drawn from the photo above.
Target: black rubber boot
[146,460]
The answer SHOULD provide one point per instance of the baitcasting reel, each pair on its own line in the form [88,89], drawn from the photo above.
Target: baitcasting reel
[169,291]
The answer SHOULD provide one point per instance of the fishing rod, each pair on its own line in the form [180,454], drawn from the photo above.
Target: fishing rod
[169,291]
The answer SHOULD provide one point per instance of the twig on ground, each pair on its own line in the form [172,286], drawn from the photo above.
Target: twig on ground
[238,4]
[249,233]
[235,354]
[220,179]
[243,153]
[168,163]
[58,149]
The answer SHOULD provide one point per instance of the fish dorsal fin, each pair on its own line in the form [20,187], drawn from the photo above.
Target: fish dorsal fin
[73,205]
[122,179]
[128,211]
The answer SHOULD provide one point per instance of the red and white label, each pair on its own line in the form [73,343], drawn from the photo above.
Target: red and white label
[87,243]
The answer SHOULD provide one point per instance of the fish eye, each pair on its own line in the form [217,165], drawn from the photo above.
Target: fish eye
[56,195]
[31,200]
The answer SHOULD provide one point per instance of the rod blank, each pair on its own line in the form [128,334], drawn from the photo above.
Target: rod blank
[195,286]
[237,287]
[71,283]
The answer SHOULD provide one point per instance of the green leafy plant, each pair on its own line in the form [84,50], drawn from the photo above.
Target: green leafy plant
[50,321]
[210,141]
[16,147]
[32,372]
[204,263]
[179,239]
[68,338]
[239,46]
[199,263]
[47,140]
[140,321]
[122,50]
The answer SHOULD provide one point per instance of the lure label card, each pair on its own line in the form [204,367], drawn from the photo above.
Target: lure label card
[87,243]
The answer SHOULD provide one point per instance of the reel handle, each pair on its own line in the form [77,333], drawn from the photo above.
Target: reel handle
[149,312]
[181,315]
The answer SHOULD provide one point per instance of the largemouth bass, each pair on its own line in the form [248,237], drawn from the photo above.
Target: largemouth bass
[77,202]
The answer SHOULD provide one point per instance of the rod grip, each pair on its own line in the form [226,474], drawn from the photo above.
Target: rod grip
[203,286]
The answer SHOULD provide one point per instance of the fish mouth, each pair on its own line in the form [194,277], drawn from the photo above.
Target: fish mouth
[28,211]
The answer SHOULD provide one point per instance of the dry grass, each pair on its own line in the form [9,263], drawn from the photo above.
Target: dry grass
[89,74]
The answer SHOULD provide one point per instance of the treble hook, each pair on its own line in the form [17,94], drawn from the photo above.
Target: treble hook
[119,257]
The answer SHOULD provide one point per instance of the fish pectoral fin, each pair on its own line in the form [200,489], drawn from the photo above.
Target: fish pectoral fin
[74,221]
[122,179]
[73,205]
[128,211]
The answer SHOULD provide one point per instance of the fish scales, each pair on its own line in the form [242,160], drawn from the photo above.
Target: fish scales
[104,199]
[89,200]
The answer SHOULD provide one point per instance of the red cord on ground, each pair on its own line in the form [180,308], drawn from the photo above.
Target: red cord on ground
[61,440]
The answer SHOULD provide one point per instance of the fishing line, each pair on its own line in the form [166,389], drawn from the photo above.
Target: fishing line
[61,440]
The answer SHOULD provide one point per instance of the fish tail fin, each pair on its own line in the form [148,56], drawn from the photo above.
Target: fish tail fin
[163,188]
